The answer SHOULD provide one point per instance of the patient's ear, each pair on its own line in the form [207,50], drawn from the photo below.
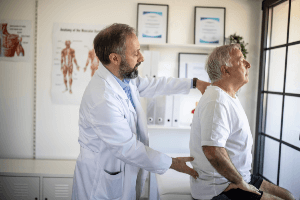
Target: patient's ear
[224,70]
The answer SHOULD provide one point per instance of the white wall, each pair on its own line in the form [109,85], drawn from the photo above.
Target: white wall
[57,129]
[16,90]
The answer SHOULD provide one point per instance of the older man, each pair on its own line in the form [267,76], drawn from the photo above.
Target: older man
[221,139]
[113,136]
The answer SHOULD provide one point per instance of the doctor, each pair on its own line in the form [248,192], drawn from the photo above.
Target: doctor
[114,145]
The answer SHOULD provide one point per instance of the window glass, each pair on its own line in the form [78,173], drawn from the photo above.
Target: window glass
[290,170]
[294,21]
[291,119]
[279,22]
[271,155]
[273,115]
[293,69]
[275,70]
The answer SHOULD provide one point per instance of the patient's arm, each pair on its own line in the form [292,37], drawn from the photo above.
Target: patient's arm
[202,85]
[219,159]
[179,164]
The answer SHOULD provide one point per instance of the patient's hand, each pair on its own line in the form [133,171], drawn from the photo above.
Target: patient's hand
[244,186]
[179,164]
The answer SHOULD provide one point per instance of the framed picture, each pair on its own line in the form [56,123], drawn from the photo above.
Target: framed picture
[152,23]
[192,65]
[209,26]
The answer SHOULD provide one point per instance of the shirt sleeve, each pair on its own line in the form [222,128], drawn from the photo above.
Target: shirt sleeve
[214,120]
[152,87]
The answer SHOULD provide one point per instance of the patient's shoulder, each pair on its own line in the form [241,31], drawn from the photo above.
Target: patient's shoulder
[214,95]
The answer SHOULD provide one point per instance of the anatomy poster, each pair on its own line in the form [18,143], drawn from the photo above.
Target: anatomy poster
[15,40]
[74,61]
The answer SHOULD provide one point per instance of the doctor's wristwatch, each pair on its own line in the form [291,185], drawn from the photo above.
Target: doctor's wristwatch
[195,82]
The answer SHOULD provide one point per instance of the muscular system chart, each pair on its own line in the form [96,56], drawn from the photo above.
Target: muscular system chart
[74,61]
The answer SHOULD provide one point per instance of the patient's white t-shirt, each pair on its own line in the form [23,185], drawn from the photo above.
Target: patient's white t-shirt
[219,120]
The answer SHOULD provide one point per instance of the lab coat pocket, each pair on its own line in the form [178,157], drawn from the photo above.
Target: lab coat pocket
[107,186]
[113,184]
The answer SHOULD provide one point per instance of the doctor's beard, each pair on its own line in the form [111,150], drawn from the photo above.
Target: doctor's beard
[126,71]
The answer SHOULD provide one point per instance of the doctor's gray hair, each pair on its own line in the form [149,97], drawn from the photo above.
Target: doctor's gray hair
[112,39]
[220,56]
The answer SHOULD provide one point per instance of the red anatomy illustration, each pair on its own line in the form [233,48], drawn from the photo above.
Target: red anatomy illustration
[67,58]
[94,61]
[11,43]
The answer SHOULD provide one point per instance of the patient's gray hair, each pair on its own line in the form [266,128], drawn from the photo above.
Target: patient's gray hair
[220,56]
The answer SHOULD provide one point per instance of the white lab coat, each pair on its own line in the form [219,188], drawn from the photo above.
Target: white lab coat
[114,154]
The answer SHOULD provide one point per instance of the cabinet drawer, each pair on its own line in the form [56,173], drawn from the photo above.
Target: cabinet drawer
[57,188]
[19,188]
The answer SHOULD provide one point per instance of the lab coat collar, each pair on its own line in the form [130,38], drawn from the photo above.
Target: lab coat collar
[104,73]
[124,83]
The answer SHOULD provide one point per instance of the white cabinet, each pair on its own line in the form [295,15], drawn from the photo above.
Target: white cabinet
[19,188]
[31,179]
[57,188]
[28,188]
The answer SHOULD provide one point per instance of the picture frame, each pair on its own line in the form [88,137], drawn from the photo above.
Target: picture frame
[192,65]
[152,23]
[209,26]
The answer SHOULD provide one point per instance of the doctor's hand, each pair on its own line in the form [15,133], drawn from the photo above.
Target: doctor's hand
[202,85]
[179,164]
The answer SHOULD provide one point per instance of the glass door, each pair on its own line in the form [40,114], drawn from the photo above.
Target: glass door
[277,150]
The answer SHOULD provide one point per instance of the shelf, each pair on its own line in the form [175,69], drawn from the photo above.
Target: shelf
[37,166]
[168,45]
[158,127]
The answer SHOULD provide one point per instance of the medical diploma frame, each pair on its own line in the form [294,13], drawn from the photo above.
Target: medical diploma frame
[192,65]
[209,26]
[152,23]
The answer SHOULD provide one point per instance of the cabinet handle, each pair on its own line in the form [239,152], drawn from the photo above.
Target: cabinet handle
[35,198]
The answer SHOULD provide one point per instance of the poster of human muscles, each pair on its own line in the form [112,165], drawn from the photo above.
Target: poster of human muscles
[74,61]
[15,40]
